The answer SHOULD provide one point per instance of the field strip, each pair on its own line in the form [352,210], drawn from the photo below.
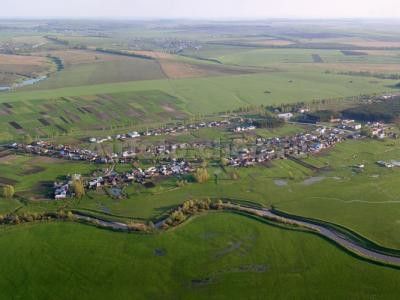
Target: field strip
[357,200]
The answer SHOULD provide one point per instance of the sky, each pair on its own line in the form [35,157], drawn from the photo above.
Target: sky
[201,9]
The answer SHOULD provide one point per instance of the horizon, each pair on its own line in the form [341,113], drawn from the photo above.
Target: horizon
[208,10]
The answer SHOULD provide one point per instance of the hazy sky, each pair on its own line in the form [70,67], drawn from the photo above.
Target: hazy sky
[212,9]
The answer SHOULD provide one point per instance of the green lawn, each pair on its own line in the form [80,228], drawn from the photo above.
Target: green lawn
[220,255]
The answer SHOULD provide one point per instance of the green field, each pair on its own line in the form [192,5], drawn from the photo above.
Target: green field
[267,57]
[203,95]
[74,115]
[211,257]
[131,69]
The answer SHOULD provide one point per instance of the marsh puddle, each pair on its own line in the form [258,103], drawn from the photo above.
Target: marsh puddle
[313,180]
[280,182]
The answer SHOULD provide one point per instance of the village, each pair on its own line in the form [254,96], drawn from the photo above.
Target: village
[168,163]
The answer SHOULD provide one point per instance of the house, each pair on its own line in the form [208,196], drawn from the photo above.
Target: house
[133,134]
[60,190]
[385,164]
[127,154]
[356,127]
[285,116]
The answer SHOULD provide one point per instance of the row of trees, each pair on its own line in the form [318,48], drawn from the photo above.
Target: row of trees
[26,217]
[187,209]
[387,111]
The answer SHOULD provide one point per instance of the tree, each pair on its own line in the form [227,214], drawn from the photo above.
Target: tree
[8,191]
[117,147]
[177,217]
[27,139]
[79,188]
[201,175]
[234,175]
[366,131]
[70,215]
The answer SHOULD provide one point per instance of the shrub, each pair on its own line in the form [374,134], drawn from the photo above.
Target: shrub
[79,188]
[8,191]
[201,175]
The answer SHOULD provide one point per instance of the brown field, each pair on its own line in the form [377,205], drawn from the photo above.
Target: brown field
[176,68]
[359,42]
[12,67]
[6,59]
[273,42]
[374,43]
[358,67]
[77,57]
[4,180]
[391,53]
[35,41]
[8,159]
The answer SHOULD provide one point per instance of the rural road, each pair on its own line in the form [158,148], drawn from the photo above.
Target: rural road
[329,233]
[102,223]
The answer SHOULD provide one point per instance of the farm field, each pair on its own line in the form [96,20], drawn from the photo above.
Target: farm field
[100,112]
[14,68]
[120,104]
[251,88]
[222,258]
[292,59]
[131,69]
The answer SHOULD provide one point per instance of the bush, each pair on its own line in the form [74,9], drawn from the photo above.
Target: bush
[201,175]
[79,188]
[8,191]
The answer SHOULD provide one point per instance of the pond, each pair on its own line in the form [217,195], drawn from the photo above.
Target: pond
[116,192]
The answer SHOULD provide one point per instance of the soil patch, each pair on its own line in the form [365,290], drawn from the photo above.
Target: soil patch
[316,58]
[149,185]
[353,53]
[62,129]
[15,125]
[160,252]
[232,247]
[44,122]
[4,180]
[32,170]
[201,282]
[64,120]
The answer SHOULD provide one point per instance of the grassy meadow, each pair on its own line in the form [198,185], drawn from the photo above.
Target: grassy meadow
[223,256]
